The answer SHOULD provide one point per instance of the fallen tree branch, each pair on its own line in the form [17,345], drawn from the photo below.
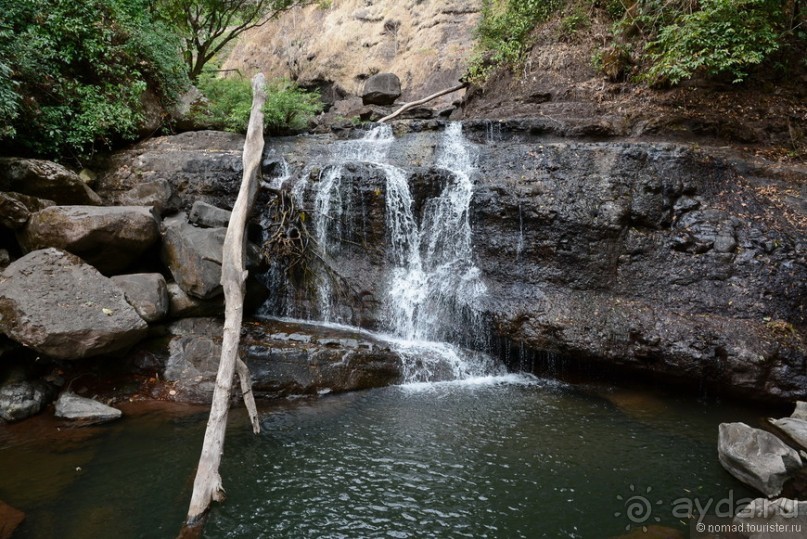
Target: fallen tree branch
[207,485]
[424,100]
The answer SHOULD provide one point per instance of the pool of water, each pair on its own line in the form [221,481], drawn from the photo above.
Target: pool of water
[498,457]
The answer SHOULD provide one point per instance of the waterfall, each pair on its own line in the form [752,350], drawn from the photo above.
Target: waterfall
[431,288]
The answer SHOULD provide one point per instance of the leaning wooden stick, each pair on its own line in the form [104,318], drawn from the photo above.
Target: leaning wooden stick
[421,101]
[207,485]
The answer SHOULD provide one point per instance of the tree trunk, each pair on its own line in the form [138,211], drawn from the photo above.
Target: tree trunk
[207,485]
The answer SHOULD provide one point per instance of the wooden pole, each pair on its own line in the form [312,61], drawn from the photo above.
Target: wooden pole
[424,100]
[207,485]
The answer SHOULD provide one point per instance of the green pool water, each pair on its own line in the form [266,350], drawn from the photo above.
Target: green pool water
[501,457]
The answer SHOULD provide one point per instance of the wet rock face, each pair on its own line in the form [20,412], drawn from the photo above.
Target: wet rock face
[657,258]
[284,359]
[60,306]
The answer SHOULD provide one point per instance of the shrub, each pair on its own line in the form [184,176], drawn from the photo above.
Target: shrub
[287,107]
[723,36]
[74,71]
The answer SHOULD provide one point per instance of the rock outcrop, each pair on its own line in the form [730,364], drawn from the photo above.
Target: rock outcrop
[60,306]
[109,238]
[756,457]
[284,359]
[684,264]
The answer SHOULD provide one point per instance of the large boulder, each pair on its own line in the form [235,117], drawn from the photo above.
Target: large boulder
[193,255]
[84,411]
[756,457]
[60,306]
[778,519]
[795,428]
[109,238]
[146,292]
[208,216]
[381,89]
[45,179]
[22,399]
[16,209]
[157,193]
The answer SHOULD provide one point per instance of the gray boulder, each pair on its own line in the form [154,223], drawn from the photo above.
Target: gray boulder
[756,457]
[181,305]
[778,519]
[193,360]
[13,213]
[801,411]
[146,292]
[60,306]
[45,179]
[109,238]
[381,89]
[156,193]
[193,255]
[83,410]
[793,427]
[22,399]
[208,216]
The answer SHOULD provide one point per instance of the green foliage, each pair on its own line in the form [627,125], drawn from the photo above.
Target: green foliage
[723,36]
[287,107]
[74,71]
[576,20]
[504,33]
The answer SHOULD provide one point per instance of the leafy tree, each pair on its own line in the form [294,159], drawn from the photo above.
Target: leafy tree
[207,26]
[72,72]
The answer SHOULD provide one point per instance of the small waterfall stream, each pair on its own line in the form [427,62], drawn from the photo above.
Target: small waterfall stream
[431,285]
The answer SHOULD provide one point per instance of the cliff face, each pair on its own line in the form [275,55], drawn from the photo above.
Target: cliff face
[426,43]
[682,263]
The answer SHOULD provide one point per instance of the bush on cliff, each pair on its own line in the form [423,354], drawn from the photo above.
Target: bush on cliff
[72,73]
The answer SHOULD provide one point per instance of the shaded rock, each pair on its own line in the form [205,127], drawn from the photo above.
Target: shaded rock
[381,89]
[208,216]
[146,292]
[156,193]
[193,255]
[22,399]
[793,427]
[45,179]
[284,359]
[83,410]
[5,258]
[109,238]
[801,411]
[60,306]
[756,457]
[181,305]
[781,518]
[10,520]
[13,213]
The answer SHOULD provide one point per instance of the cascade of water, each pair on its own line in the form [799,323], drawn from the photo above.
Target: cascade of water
[433,285]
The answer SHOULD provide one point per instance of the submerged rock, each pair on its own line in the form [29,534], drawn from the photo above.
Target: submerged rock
[109,238]
[60,306]
[10,520]
[756,457]
[85,411]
